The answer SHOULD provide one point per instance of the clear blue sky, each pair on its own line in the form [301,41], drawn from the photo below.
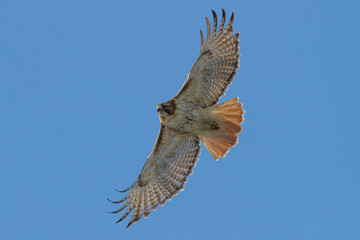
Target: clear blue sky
[79,82]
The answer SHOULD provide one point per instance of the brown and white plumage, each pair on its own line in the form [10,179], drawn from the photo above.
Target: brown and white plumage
[216,64]
[191,116]
[164,174]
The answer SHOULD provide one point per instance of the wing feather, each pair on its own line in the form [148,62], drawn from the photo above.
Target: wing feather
[154,197]
[215,22]
[223,18]
[164,173]
[215,66]
[202,40]
[208,29]
[175,154]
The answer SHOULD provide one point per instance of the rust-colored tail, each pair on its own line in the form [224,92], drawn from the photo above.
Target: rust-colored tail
[224,129]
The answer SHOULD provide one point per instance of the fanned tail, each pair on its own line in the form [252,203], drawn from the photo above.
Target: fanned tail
[224,129]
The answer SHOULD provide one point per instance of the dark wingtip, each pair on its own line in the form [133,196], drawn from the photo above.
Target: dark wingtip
[214,22]
[232,17]
[223,18]
[112,212]
[120,201]
[214,14]
[122,191]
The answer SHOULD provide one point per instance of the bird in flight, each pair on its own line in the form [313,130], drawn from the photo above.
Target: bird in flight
[190,117]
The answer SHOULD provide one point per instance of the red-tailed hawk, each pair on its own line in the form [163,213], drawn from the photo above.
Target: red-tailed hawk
[193,115]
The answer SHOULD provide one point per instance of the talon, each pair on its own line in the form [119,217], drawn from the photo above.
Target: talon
[214,125]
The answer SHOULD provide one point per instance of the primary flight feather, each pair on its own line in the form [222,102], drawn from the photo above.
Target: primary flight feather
[193,115]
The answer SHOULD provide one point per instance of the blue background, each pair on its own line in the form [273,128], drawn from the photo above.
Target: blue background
[79,82]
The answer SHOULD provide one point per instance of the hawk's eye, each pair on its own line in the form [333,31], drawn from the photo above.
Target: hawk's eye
[160,108]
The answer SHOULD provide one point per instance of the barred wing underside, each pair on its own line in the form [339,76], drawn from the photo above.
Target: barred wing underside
[164,174]
[216,65]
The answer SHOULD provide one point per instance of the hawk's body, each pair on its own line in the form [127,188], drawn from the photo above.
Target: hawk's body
[191,116]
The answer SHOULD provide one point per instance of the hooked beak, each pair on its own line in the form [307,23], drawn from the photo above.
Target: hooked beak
[160,108]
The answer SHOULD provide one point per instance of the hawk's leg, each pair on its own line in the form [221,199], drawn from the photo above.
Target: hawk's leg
[214,125]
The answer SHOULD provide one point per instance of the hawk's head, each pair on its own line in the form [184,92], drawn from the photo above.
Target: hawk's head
[166,109]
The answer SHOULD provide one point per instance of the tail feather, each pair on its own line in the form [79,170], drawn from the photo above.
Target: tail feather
[229,116]
[232,127]
[233,117]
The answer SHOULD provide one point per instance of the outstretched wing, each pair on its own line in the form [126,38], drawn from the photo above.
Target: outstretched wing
[164,174]
[216,65]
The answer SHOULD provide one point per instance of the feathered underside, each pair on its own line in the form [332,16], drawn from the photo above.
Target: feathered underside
[215,66]
[175,153]
[164,174]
